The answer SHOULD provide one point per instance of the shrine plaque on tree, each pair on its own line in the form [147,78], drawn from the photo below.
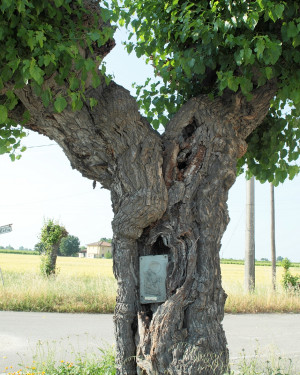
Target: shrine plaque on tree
[153,272]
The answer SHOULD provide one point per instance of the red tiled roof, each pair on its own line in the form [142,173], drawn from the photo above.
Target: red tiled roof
[100,243]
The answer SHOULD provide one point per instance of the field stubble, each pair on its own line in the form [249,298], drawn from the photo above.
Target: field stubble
[88,285]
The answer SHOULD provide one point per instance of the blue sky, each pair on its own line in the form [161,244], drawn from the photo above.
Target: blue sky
[43,185]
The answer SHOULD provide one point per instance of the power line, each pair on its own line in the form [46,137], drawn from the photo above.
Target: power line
[51,144]
[233,232]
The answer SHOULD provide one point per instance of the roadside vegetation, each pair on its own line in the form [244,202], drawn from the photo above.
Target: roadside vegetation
[104,364]
[87,285]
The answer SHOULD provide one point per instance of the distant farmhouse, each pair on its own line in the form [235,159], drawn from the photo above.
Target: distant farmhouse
[97,250]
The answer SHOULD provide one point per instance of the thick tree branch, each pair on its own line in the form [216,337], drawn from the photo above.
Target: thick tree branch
[113,144]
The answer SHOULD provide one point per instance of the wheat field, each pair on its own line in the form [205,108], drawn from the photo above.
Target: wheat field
[88,285]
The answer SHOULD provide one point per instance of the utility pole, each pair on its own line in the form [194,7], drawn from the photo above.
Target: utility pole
[249,276]
[273,248]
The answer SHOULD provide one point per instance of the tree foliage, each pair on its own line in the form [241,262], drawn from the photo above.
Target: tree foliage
[40,39]
[218,47]
[196,47]
[69,246]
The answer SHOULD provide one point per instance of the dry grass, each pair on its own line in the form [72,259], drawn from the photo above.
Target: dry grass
[66,265]
[82,285]
[264,299]
[87,285]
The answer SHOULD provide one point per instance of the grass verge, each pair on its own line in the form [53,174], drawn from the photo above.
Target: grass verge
[105,365]
[88,286]
[31,292]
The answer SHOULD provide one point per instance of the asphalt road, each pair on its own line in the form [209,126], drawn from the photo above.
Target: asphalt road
[25,336]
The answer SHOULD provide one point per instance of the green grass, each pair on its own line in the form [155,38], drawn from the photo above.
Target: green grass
[104,364]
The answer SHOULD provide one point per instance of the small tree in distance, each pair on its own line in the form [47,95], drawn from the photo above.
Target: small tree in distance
[69,246]
[51,235]
[39,247]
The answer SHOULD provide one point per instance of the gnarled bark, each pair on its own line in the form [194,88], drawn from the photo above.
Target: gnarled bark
[169,197]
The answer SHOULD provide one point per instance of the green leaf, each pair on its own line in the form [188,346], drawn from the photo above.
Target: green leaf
[58,3]
[281,175]
[246,85]
[3,114]
[293,171]
[295,96]
[48,59]
[233,84]
[283,153]
[269,72]
[96,81]
[191,62]
[60,104]
[106,14]
[292,30]
[279,8]
[260,47]
[89,65]
[155,124]
[26,118]
[296,41]
[93,102]
[31,42]
[95,35]
[248,56]
[11,140]
[74,83]
[76,102]
[36,72]
[46,97]
[39,35]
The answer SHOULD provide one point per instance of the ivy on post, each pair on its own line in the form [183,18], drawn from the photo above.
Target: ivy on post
[51,235]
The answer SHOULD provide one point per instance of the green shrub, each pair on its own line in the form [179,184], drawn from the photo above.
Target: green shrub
[289,281]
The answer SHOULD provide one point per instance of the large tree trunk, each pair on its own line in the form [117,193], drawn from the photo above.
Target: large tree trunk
[169,198]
